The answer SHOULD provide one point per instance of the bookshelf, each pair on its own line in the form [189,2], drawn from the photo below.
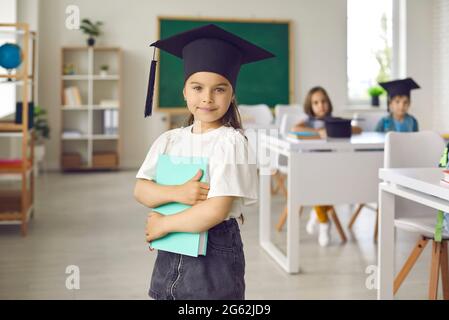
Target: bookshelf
[16,204]
[90,108]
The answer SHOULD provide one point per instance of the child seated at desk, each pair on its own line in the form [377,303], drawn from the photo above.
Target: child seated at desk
[318,106]
[398,104]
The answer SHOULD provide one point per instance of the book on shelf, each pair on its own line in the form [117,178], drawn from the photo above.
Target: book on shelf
[10,163]
[445,180]
[110,121]
[72,96]
[172,170]
[446,175]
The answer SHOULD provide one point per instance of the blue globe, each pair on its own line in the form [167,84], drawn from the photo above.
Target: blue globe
[10,56]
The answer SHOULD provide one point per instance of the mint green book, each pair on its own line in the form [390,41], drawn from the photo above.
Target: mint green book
[174,170]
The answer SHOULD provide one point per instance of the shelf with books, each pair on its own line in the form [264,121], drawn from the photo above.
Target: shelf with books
[16,205]
[97,102]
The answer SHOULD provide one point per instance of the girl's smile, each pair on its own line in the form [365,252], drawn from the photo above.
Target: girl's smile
[208,96]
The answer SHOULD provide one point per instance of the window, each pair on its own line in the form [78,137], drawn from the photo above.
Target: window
[369,46]
[7,91]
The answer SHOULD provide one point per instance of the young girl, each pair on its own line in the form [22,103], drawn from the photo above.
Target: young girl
[398,105]
[318,107]
[212,59]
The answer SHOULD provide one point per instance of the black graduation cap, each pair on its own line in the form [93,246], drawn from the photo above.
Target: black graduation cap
[400,87]
[338,127]
[208,48]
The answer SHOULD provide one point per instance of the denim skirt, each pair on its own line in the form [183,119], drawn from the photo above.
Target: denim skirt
[219,275]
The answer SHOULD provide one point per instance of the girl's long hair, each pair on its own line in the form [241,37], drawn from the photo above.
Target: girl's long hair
[230,119]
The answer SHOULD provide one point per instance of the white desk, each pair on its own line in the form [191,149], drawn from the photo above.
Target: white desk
[421,185]
[347,175]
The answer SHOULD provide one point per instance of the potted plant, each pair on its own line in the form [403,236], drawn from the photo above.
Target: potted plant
[374,93]
[91,29]
[104,68]
[41,132]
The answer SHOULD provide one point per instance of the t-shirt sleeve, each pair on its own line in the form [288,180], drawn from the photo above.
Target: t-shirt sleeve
[233,171]
[415,125]
[148,168]
[380,125]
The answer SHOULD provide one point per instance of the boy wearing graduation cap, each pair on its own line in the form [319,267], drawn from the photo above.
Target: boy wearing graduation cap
[212,60]
[398,104]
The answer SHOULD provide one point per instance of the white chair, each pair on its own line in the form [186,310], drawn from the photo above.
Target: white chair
[256,116]
[281,109]
[368,120]
[288,120]
[415,150]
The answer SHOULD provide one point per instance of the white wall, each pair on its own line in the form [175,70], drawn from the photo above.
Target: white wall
[419,59]
[319,34]
[441,65]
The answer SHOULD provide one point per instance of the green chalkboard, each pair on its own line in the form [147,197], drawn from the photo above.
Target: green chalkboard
[265,82]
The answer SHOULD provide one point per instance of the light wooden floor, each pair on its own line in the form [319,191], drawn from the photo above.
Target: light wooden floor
[93,221]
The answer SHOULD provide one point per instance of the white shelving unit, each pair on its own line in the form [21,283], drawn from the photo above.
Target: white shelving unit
[95,147]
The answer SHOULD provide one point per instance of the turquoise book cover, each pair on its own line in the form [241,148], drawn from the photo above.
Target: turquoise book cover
[175,170]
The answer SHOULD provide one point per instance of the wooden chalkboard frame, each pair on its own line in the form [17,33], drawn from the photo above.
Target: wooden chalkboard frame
[182,109]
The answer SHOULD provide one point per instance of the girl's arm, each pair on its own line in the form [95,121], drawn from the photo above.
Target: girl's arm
[198,218]
[302,127]
[152,195]
[356,130]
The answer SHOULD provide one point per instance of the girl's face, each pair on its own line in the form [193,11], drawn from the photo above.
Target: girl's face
[320,104]
[208,97]
[399,106]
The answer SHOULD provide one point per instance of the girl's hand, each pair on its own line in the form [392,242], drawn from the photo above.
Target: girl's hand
[193,191]
[155,227]
[322,132]
[356,130]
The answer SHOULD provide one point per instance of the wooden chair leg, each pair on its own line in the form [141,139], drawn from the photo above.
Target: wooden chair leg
[338,224]
[281,183]
[355,215]
[376,227]
[24,228]
[434,270]
[444,267]
[282,219]
[275,189]
[408,265]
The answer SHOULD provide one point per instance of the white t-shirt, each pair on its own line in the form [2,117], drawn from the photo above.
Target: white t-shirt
[232,164]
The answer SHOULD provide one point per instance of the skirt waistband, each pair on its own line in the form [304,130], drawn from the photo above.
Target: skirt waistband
[226,225]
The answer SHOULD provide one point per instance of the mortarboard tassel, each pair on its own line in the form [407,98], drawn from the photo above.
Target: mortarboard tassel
[150,92]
